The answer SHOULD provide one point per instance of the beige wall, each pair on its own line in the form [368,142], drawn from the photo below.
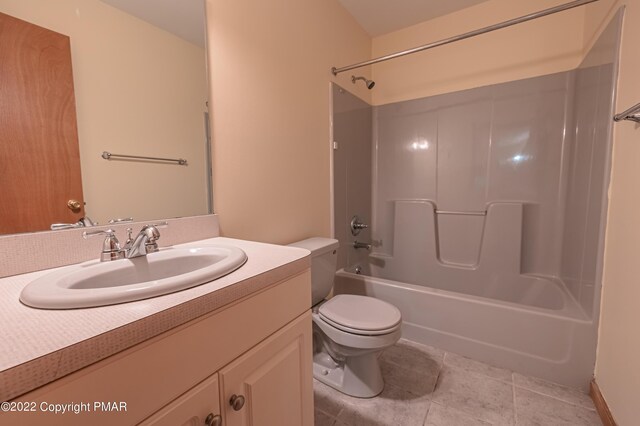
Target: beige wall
[139,90]
[269,78]
[617,367]
[544,46]
[270,72]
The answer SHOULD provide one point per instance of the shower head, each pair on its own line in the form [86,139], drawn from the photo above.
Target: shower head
[369,83]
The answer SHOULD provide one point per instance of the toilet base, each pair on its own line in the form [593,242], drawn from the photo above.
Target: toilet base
[357,376]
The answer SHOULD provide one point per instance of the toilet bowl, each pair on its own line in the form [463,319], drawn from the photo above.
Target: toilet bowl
[349,331]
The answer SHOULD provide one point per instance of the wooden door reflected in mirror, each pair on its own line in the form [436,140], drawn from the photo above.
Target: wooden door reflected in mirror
[38,122]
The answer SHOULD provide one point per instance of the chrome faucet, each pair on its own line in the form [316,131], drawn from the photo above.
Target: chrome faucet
[83,222]
[145,242]
[359,245]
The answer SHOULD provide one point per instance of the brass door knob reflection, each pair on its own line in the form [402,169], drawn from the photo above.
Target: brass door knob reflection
[74,205]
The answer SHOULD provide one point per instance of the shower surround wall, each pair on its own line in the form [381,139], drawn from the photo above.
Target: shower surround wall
[588,173]
[496,195]
[470,155]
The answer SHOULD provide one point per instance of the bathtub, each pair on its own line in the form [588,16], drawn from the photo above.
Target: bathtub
[528,324]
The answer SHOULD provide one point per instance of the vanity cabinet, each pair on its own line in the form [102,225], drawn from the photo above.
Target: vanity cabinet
[197,407]
[266,386]
[269,384]
[249,362]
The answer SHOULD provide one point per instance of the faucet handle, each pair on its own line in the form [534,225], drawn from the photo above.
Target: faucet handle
[86,221]
[110,247]
[120,220]
[107,232]
[356,225]
[58,226]
[129,241]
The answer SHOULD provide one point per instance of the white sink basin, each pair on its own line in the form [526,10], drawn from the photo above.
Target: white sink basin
[96,283]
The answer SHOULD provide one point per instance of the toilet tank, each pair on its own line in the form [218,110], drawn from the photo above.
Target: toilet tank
[324,260]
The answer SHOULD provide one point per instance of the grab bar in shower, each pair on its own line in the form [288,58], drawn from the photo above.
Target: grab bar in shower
[461,213]
[632,114]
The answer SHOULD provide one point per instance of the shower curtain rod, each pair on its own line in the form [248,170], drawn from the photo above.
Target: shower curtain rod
[470,34]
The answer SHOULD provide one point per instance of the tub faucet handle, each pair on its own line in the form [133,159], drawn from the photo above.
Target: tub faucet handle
[357,225]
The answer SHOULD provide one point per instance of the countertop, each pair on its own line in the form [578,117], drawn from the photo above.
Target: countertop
[39,346]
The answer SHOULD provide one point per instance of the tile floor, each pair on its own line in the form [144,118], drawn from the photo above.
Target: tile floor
[425,386]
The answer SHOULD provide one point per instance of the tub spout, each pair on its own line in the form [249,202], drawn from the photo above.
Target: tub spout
[359,245]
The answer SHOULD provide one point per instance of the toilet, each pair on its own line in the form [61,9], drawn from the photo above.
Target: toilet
[349,331]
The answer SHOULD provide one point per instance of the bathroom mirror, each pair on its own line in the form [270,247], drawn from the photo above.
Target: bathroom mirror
[140,88]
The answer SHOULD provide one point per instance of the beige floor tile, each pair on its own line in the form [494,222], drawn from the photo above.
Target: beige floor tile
[393,406]
[534,409]
[411,366]
[476,367]
[478,396]
[322,419]
[406,353]
[467,392]
[327,399]
[441,415]
[573,396]
[420,380]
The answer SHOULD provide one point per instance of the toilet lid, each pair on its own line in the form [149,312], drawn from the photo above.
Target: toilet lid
[361,313]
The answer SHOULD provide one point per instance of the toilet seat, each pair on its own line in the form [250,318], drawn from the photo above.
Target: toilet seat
[361,315]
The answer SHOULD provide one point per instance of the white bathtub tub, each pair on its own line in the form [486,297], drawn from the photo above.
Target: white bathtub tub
[528,324]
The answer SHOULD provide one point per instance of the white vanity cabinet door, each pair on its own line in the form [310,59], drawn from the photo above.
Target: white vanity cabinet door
[193,408]
[273,382]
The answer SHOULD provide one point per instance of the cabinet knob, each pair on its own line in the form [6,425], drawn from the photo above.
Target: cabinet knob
[213,420]
[237,402]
